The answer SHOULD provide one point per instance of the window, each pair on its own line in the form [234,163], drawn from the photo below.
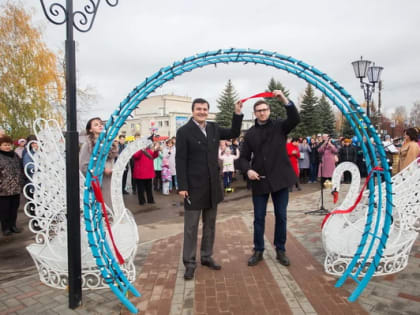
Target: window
[167,123]
[160,123]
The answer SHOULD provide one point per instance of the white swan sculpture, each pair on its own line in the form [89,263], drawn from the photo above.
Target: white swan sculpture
[47,212]
[341,233]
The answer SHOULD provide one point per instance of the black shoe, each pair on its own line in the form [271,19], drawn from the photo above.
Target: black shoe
[14,229]
[211,264]
[255,258]
[125,192]
[141,203]
[7,232]
[282,258]
[189,273]
[151,202]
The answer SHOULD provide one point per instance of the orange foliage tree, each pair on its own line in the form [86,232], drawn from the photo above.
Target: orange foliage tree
[31,83]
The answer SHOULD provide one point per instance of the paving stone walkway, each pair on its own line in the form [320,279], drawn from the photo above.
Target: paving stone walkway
[268,288]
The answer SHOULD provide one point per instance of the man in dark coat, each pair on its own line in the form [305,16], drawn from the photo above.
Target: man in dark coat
[347,153]
[270,172]
[199,180]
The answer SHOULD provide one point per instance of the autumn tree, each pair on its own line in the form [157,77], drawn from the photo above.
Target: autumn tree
[30,82]
[399,120]
[415,115]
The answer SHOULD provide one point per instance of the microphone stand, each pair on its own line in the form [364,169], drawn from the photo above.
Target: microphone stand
[322,210]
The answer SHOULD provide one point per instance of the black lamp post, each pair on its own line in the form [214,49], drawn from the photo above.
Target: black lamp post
[362,68]
[81,20]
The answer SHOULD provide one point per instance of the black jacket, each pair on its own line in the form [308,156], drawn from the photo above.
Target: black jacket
[267,143]
[197,167]
[347,154]
[314,154]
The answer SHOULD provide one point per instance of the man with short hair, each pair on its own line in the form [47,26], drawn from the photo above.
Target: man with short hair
[199,180]
[270,172]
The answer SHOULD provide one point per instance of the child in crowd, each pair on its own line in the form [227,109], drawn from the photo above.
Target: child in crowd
[228,167]
[166,176]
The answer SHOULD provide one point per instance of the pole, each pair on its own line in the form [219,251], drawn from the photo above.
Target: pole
[368,100]
[72,169]
[380,104]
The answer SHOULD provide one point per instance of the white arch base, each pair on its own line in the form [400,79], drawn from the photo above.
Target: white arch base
[342,232]
[47,212]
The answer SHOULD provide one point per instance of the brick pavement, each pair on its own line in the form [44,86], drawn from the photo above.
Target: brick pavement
[392,294]
[317,286]
[156,280]
[268,288]
[237,289]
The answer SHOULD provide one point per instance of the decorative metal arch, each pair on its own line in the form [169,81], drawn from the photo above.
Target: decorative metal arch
[372,149]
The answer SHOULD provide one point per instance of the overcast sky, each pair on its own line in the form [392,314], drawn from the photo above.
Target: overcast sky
[133,40]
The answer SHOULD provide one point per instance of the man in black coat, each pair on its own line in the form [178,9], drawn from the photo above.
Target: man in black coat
[347,153]
[270,172]
[199,182]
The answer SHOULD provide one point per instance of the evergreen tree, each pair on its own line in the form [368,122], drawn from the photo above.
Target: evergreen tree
[277,107]
[326,114]
[226,105]
[310,121]
[348,131]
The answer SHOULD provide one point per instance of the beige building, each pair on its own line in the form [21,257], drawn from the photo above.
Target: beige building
[166,113]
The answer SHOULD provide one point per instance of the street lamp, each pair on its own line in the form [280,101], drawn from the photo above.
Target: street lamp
[82,20]
[362,68]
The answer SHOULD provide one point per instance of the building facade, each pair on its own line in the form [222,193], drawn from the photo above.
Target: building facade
[163,114]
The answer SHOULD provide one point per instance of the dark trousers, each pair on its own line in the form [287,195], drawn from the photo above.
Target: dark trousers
[227,179]
[124,179]
[280,200]
[142,186]
[347,177]
[313,172]
[133,180]
[8,211]
[304,175]
[191,221]
[157,181]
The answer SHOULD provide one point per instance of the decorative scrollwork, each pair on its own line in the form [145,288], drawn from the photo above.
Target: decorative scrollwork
[56,12]
[83,19]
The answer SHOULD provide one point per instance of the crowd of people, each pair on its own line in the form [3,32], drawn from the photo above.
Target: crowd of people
[196,162]
[314,158]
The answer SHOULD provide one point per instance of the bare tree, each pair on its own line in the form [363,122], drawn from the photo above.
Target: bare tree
[415,114]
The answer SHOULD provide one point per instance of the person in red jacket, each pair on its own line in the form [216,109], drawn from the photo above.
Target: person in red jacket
[294,154]
[144,172]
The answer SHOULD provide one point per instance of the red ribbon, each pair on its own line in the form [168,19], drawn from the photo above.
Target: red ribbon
[99,197]
[263,94]
[377,168]
[335,196]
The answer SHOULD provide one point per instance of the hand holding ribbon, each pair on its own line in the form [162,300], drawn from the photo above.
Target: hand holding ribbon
[275,93]
[263,94]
